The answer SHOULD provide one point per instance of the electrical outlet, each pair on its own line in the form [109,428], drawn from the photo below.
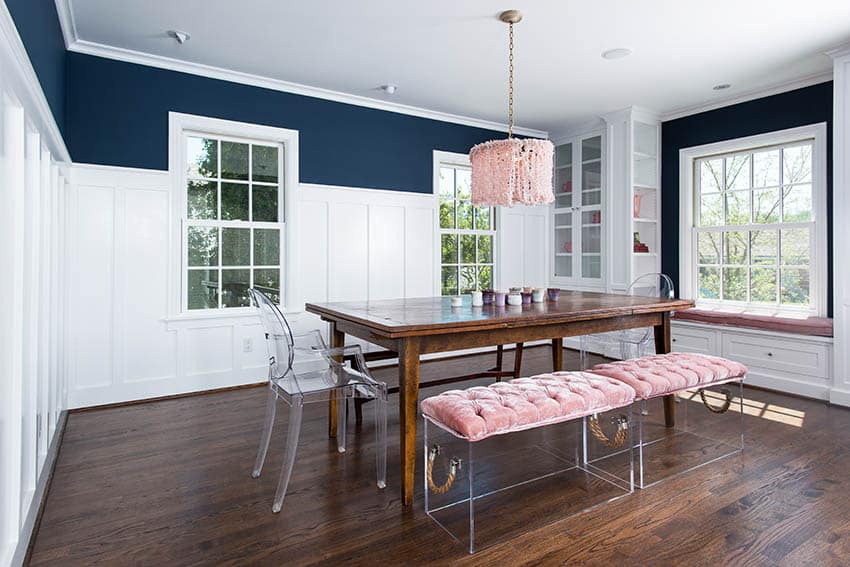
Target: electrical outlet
[247,344]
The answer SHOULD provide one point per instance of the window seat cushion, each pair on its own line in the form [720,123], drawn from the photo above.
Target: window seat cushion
[811,326]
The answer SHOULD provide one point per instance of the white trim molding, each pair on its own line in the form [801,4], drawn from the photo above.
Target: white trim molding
[687,246]
[840,228]
[751,94]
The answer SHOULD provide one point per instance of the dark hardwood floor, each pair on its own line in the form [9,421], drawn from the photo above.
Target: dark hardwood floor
[168,483]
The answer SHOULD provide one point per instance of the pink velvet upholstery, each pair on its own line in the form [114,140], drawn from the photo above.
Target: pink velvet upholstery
[653,376]
[810,326]
[524,403]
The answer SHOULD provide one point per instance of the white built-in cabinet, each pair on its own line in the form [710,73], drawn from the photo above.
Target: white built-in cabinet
[578,214]
[606,216]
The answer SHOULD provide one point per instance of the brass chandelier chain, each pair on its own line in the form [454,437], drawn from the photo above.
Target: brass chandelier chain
[511,82]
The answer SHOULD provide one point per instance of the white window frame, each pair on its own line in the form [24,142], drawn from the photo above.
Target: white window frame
[179,126]
[687,214]
[454,159]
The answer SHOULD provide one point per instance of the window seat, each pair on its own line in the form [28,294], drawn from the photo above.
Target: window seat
[809,326]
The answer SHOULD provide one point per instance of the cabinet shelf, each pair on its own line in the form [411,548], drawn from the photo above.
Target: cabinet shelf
[645,254]
[641,187]
[565,166]
[638,219]
[563,226]
[562,254]
[588,161]
[642,155]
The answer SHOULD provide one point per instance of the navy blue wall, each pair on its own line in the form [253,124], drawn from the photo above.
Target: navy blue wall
[38,26]
[809,105]
[118,115]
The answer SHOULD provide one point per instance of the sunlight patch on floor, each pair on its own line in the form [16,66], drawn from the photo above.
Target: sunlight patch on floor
[771,412]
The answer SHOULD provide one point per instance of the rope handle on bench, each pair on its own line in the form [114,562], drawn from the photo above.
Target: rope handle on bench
[622,423]
[720,409]
[454,466]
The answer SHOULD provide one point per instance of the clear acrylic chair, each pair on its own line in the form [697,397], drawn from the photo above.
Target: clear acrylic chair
[633,342]
[302,369]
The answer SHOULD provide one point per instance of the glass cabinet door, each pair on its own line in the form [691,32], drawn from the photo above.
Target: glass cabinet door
[564,205]
[591,207]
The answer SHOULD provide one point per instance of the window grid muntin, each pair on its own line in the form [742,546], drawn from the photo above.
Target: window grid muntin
[459,232]
[219,223]
[749,228]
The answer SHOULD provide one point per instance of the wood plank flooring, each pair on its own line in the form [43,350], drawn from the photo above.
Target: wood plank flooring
[168,483]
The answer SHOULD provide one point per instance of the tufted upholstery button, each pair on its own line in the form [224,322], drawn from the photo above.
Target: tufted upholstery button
[524,403]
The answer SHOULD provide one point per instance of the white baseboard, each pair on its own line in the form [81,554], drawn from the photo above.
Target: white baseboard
[839,397]
[40,494]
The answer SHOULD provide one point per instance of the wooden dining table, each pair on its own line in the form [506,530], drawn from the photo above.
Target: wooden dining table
[413,327]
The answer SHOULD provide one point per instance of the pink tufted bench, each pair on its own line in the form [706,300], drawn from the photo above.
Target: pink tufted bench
[524,403]
[663,374]
[474,481]
[697,380]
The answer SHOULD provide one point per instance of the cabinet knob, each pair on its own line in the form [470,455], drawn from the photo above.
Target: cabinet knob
[673,339]
[769,354]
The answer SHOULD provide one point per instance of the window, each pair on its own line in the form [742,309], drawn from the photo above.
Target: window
[757,227]
[233,224]
[467,234]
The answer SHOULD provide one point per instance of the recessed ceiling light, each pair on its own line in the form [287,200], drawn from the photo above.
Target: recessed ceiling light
[389,88]
[181,36]
[721,86]
[616,53]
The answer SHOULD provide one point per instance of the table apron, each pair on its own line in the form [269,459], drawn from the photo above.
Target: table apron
[458,339]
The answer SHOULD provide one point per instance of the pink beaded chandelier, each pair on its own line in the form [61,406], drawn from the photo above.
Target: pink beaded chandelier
[512,171]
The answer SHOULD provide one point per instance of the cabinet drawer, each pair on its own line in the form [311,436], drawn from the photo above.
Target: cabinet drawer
[778,354]
[685,339]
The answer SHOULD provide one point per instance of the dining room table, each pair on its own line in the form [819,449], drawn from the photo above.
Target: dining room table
[412,327]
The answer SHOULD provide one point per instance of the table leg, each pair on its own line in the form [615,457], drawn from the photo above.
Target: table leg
[557,354]
[408,376]
[518,360]
[337,341]
[663,346]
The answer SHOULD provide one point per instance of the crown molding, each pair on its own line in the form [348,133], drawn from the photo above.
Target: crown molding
[158,61]
[839,51]
[24,83]
[753,94]
[66,21]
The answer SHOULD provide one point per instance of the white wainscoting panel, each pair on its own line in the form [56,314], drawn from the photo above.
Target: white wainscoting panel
[353,244]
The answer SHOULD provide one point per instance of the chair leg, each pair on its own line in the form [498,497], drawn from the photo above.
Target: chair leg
[342,418]
[500,353]
[381,435]
[583,358]
[358,409]
[271,409]
[291,448]
[518,360]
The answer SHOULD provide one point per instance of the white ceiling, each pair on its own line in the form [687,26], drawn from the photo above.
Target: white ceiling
[451,56]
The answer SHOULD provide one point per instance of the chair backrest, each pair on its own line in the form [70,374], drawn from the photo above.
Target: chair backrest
[653,285]
[278,334]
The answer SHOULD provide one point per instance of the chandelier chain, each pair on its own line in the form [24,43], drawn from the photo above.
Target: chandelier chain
[511,82]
